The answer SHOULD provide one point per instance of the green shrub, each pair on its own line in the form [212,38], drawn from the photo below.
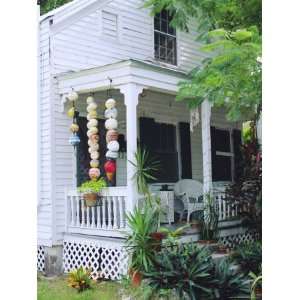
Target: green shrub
[229,283]
[249,256]
[186,268]
[80,279]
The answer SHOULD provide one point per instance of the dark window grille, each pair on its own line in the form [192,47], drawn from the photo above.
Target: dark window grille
[160,140]
[164,38]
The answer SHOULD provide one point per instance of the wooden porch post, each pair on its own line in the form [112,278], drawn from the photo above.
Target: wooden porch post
[131,93]
[206,146]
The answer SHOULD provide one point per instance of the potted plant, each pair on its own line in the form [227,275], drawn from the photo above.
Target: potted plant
[209,226]
[142,223]
[90,190]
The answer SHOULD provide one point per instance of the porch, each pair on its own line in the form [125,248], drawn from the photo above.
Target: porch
[142,91]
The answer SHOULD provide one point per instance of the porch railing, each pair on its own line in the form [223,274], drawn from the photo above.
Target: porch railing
[107,218]
[227,210]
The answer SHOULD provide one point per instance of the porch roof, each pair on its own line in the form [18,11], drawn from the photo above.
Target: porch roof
[147,74]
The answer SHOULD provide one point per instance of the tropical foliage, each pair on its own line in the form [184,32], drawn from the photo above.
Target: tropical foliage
[190,271]
[209,226]
[186,268]
[246,192]
[249,257]
[142,222]
[145,166]
[47,5]
[80,279]
[230,31]
[229,283]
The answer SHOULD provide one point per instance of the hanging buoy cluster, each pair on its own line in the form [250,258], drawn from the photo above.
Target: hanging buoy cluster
[111,124]
[93,138]
[74,139]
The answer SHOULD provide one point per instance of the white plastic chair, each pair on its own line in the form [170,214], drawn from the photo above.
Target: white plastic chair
[190,192]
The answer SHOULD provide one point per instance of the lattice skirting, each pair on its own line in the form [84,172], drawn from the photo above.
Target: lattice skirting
[232,241]
[41,258]
[105,262]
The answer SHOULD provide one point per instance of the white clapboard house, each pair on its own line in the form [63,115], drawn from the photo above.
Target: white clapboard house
[115,48]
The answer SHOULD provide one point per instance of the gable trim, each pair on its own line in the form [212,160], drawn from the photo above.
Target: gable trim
[77,15]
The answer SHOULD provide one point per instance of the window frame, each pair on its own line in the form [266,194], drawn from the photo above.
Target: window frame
[228,154]
[166,34]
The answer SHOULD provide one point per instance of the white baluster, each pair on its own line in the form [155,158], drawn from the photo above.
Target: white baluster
[104,212]
[72,211]
[232,210]
[93,217]
[82,213]
[88,215]
[109,210]
[77,211]
[121,210]
[115,216]
[98,217]
[228,209]
[220,209]
[223,209]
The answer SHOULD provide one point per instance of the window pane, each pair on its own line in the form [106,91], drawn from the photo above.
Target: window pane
[222,168]
[157,23]
[164,14]
[162,53]
[164,26]
[171,30]
[164,45]
[222,140]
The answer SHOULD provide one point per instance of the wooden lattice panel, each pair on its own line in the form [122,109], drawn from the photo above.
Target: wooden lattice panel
[40,258]
[232,241]
[113,262]
[108,262]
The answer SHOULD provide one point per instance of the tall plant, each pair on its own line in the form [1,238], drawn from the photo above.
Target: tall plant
[145,166]
[142,222]
[209,228]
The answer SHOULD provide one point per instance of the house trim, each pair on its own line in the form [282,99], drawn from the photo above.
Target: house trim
[157,78]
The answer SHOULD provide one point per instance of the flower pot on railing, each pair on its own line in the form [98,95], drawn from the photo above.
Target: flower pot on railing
[90,199]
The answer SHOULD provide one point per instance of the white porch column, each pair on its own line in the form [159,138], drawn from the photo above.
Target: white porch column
[206,146]
[131,93]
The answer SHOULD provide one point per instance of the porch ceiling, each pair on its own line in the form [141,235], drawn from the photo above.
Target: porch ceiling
[147,74]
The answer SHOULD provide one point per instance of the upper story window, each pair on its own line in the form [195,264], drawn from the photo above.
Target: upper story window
[164,38]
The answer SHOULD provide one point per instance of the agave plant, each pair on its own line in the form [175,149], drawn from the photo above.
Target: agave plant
[142,222]
[255,285]
[229,283]
[249,257]
[145,167]
[186,268]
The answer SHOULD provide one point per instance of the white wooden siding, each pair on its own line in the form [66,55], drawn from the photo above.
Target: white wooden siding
[44,217]
[83,44]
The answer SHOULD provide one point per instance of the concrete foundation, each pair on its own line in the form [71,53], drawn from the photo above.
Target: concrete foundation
[53,260]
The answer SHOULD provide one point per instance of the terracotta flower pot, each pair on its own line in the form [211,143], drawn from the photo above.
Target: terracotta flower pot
[157,238]
[136,278]
[90,199]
